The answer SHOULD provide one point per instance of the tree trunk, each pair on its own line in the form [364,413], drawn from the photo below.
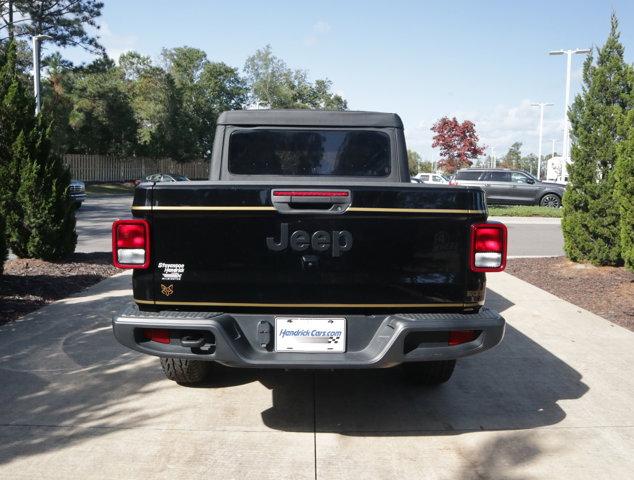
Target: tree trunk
[10,6]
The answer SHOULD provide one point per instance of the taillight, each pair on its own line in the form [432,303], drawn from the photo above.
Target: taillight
[488,247]
[131,244]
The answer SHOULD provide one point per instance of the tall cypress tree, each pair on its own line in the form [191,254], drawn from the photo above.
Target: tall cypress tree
[47,227]
[34,198]
[16,115]
[625,184]
[3,242]
[591,214]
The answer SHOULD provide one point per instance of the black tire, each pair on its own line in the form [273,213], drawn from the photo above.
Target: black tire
[551,200]
[429,373]
[185,372]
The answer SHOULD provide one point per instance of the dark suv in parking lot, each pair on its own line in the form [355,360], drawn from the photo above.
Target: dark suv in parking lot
[511,187]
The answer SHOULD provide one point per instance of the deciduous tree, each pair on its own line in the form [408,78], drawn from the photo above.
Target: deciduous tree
[413,162]
[425,166]
[274,85]
[458,143]
[513,156]
[207,89]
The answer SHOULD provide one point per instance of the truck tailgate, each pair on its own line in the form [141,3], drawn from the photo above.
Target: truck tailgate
[227,247]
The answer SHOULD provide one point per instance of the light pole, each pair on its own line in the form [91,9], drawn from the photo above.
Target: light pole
[541,132]
[37,40]
[565,147]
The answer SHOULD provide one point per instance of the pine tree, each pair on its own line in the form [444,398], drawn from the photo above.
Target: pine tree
[591,215]
[47,227]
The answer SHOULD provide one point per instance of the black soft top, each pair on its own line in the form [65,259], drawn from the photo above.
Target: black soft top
[310,118]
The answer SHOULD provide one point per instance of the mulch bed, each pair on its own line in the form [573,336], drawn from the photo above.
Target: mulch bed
[606,291]
[29,284]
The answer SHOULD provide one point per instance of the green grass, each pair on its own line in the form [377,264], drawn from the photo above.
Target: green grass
[109,189]
[524,211]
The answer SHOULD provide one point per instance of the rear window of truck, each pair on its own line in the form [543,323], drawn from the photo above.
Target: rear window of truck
[358,153]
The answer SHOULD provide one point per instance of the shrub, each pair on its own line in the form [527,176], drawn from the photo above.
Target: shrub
[46,228]
[3,242]
[591,217]
[16,115]
[625,190]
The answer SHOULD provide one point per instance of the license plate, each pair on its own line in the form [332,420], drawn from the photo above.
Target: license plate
[310,335]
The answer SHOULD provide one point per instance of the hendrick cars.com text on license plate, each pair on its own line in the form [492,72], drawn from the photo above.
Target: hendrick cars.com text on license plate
[310,335]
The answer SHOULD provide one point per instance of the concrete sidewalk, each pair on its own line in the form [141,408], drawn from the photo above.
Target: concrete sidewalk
[553,402]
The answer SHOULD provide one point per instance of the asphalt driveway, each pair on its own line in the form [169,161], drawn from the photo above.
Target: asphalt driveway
[94,221]
[552,401]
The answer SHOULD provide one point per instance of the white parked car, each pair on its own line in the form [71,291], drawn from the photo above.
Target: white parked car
[435,178]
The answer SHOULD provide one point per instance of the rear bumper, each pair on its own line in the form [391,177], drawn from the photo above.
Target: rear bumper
[374,341]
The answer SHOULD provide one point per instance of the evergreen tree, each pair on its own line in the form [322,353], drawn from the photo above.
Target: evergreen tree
[47,227]
[3,163]
[3,242]
[591,215]
[625,186]
[16,115]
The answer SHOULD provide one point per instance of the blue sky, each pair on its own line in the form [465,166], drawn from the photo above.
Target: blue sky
[477,60]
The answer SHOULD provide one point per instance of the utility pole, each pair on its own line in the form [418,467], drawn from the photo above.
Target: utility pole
[566,147]
[37,41]
[541,132]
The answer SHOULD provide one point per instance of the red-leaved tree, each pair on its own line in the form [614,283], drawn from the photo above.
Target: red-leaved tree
[458,143]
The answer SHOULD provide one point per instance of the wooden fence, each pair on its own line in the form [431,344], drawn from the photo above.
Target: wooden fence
[104,168]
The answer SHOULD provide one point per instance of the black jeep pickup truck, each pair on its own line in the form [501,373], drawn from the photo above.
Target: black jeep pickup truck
[308,247]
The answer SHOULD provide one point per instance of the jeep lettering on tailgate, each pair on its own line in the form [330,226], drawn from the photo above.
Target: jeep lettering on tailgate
[338,241]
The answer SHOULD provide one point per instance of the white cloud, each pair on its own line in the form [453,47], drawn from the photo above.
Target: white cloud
[321,27]
[319,30]
[499,128]
[114,43]
[311,40]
